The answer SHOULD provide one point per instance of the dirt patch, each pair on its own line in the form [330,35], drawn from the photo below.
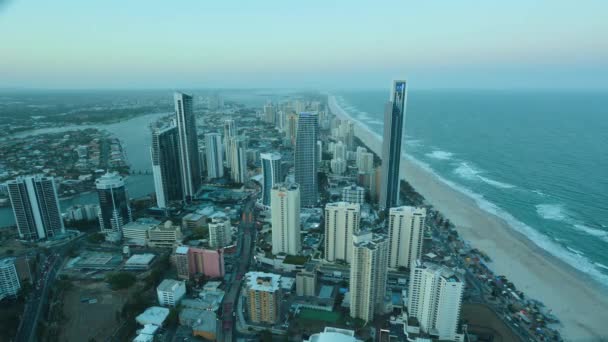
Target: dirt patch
[482,321]
[92,311]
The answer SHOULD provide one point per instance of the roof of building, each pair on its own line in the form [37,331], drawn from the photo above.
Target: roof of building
[169,285]
[137,225]
[143,338]
[206,322]
[334,335]
[262,281]
[326,291]
[182,250]
[149,329]
[153,315]
[140,259]
[287,283]
[7,262]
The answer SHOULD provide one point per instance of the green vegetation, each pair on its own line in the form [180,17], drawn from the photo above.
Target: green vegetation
[96,238]
[121,280]
[320,315]
[295,260]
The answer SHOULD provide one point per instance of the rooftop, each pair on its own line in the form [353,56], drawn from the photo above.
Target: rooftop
[153,315]
[169,285]
[182,250]
[261,281]
[140,259]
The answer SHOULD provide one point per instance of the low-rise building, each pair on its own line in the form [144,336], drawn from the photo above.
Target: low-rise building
[165,235]
[139,261]
[170,292]
[155,315]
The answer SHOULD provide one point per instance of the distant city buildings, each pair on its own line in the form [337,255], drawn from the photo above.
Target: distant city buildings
[271,172]
[220,232]
[435,298]
[394,119]
[170,292]
[9,280]
[342,221]
[213,148]
[406,233]
[165,152]
[35,207]
[285,216]
[263,297]
[188,144]
[368,273]
[114,208]
[305,158]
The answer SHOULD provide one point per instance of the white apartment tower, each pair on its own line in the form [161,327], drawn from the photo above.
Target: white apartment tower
[285,212]
[220,234]
[213,148]
[406,233]
[368,273]
[341,222]
[353,194]
[435,298]
[238,154]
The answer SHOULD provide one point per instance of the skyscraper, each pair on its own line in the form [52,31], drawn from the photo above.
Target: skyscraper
[394,118]
[166,166]
[341,223]
[285,218]
[229,132]
[305,158]
[271,171]
[406,233]
[368,275]
[36,207]
[292,127]
[238,153]
[213,148]
[114,209]
[269,113]
[435,298]
[188,144]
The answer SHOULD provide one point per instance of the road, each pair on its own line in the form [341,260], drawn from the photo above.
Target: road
[247,227]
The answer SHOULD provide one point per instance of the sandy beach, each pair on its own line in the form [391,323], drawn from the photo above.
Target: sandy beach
[578,301]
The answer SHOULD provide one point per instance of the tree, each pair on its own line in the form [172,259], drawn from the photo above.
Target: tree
[121,280]
[96,238]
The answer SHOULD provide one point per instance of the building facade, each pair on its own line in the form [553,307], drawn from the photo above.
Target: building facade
[181,262]
[208,262]
[114,208]
[285,218]
[368,273]
[170,292]
[271,171]
[305,161]
[9,279]
[188,144]
[306,282]
[213,148]
[342,221]
[36,207]
[353,194]
[229,132]
[238,154]
[166,166]
[220,232]
[406,234]
[394,120]
[263,293]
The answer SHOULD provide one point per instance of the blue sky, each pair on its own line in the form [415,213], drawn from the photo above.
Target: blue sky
[312,44]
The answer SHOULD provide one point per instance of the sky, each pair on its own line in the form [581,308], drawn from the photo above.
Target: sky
[320,44]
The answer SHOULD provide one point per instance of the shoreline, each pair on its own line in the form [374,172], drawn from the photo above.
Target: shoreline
[571,294]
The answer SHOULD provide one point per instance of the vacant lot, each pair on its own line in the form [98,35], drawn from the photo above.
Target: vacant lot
[319,315]
[95,320]
[483,321]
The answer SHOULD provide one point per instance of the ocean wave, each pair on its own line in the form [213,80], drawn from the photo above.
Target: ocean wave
[602,234]
[539,193]
[601,265]
[555,212]
[466,171]
[576,251]
[440,155]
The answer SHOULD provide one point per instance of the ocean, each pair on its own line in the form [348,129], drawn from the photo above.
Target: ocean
[538,159]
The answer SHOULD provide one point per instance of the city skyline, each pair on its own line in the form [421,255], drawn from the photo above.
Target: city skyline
[443,53]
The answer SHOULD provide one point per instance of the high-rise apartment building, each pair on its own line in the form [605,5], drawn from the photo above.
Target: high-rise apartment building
[166,166]
[263,292]
[435,298]
[269,113]
[292,127]
[9,279]
[238,148]
[353,194]
[285,218]
[182,262]
[114,209]
[394,119]
[406,233]
[368,273]
[188,144]
[35,207]
[213,147]
[342,221]
[170,292]
[209,262]
[306,282]
[229,132]
[220,232]
[305,161]
[271,171]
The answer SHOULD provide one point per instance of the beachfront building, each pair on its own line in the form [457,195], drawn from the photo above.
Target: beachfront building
[394,119]
[285,218]
[405,233]
[305,161]
[368,274]
[271,172]
[114,209]
[229,132]
[166,166]
[213,148]
[9,279]
[353,194]
[188,145]
[263,292]
[170,292]
[36,207]
[435,299]
[342,221]
[238,154]
[220,232]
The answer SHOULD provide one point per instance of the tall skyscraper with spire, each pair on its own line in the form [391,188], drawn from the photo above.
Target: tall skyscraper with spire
[305,158]
[394,118]
[188,144]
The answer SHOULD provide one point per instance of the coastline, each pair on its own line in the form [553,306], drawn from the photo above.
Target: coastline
[580,302]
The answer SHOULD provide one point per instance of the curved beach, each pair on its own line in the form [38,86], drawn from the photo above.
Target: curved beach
[576,299]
